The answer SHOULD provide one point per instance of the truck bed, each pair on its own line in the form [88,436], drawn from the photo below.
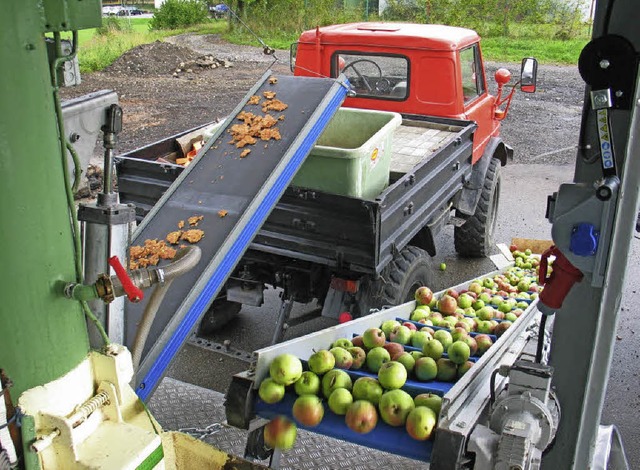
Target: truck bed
[344,233]
[415,141]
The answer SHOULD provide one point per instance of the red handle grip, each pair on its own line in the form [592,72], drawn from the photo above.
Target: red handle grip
[134,294]
[561,280]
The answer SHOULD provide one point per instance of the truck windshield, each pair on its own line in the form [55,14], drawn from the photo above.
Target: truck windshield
[374,76]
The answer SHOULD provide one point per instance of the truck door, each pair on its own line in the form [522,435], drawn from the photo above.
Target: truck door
[478,104]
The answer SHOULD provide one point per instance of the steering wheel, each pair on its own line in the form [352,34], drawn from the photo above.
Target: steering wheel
[362,77]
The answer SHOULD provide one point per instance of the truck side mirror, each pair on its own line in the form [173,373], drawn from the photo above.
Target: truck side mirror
[528,75]
[293,50]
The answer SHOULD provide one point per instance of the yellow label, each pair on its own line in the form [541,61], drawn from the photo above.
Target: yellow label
[374,154]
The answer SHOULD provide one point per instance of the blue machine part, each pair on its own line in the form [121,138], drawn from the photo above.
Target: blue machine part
[584,240]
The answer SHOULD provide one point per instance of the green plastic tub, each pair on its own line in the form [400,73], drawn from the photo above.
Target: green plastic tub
[353,154]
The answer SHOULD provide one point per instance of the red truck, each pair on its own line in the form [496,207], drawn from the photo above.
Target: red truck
[358,251]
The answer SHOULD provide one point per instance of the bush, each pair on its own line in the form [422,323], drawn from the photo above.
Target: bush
[179,14]
[111,24]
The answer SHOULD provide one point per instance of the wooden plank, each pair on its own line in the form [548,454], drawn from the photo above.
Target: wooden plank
[536,246]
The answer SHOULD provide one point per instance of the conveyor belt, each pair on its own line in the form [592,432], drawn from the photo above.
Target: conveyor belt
[247,189]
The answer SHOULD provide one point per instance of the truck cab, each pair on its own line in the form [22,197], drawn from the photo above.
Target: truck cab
[414,69]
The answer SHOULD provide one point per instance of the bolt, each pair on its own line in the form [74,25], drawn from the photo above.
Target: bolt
[226,343]
[619,93]
[74,137]
[461,424]
[600,99]
[29,46]
[604,64]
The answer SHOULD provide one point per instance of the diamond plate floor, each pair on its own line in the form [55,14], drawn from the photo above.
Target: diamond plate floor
[178,405]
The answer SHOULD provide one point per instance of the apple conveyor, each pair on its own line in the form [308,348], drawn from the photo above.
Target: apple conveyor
[234,195]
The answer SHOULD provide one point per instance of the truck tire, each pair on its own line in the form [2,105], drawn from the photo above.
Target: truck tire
[474,239]
[219,314]
[409,269]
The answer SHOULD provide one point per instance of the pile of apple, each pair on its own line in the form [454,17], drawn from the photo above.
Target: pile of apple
[362,402]
[435,343]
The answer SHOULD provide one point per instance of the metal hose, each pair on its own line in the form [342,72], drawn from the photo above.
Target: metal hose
[186,259]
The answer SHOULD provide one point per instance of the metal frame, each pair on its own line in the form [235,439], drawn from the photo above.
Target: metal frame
[591,313]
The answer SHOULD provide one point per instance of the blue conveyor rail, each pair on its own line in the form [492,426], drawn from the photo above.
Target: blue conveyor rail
[247,189]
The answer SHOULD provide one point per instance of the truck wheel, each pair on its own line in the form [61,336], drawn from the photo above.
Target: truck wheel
[219,314]
[475,237]
[409,269]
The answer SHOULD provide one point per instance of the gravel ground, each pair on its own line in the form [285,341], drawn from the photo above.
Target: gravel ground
[156,104]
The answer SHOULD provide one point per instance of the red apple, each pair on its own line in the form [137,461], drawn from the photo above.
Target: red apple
[394,348]
[308,410]
[361,417]
[410,325]
[357,341]
[447,305]
[280,433]
[452,292]
[423,295]
[373,338]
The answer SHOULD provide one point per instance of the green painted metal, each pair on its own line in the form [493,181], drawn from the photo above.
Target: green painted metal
[43,334]
[68,15]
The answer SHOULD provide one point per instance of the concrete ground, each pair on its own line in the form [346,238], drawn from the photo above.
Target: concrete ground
[523,202]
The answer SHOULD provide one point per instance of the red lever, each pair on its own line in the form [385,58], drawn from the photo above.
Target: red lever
[133,293]
[561,280]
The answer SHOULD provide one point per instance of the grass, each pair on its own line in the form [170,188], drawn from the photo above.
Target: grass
[547,51]
[98,51]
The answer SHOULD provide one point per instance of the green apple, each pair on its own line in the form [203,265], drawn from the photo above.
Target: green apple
[392,375]
[367,388]
[342,343]
[395,406]
[285,369]
[444,337]
[465,301]
[433,349]
[307,384]
[401,334]
[321,362]
[421,423]
[376,357]
[335,378]
[388,326]
[407,360]
[271,391]
[340,400]
[425,369]
[419,338]
[430,400]
[459,352]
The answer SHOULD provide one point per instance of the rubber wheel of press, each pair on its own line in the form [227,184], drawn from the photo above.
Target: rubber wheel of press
[409,269]
[219,315]
[474,239]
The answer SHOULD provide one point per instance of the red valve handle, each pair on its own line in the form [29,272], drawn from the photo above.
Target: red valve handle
[134,294]
[561,280]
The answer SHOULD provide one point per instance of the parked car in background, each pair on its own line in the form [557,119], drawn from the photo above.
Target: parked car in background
[130,11]
[111,10]
[219,11]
